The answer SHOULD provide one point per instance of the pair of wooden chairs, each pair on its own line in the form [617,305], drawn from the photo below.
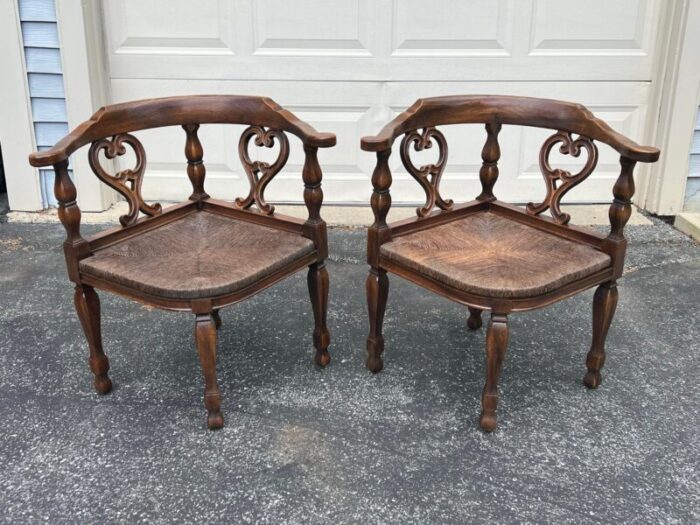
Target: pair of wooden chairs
[205,254]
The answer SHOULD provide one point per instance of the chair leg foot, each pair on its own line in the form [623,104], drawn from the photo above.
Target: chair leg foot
[474,321]
[496,344]
[87,304]
[317,280]
[604,305]
[377,287]
[205,335]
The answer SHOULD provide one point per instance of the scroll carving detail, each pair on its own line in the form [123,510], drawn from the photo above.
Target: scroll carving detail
[261,173]
[427,176]
[126,182]
[566,179]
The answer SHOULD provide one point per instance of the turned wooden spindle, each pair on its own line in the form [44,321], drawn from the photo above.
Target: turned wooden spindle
[377,284]
[488,174]
[380,202]
[621,207]
[315,227]
[75,247]
[195,166]
[311,175]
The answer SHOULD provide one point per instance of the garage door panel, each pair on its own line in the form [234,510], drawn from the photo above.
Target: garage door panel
[596,28]
[281,28]
[349,66]
[370,40]
[170,27]
[456,29]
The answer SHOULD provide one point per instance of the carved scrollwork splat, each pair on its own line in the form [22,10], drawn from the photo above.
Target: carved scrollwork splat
[126,182]
[566,179]
[261,173]
[427,176]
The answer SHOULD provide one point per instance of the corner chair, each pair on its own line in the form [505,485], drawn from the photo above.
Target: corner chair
[203,254]
[490,255]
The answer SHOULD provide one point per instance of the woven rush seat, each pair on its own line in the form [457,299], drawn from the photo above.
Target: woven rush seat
[490,255]
[199,255]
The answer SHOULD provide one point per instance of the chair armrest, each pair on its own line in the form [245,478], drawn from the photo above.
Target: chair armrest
[522,111]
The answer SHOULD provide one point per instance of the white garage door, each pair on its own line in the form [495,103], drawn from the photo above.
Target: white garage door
[348,66]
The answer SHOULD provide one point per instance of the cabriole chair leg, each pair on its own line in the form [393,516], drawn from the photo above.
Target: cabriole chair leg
[474,321]
[496,344]
[377,287]
[604,304]
[317,280]
[87,304]
[205,335]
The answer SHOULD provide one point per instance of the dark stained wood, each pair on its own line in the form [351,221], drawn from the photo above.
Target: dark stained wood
[427,176]
[109,131]
[126,182]
[177,111]
[474,321]
[559,182]
[196,171]
[318,291]
[87,304]
[496,344]
[465,264]
[377,287]
[75,247]
[254,169]
[488,174]
[604,305]
[521,111]
[205,336]
[380,201]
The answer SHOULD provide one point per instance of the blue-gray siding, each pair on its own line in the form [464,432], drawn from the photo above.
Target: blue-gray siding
[43,57]
[692,191]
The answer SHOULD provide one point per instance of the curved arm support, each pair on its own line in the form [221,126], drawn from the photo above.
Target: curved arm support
[180,111]
[75,247]
[379,232]
[522,111]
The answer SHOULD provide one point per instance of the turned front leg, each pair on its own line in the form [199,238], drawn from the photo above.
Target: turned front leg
[87,304]
[377,287]
[318,290]
[205,335]
[474,321]
[604,304]
[496,344]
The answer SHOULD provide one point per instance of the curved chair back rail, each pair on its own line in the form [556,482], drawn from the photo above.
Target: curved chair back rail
[185,110]
[497,109]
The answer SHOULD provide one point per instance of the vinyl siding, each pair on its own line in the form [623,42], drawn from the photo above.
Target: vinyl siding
[43,60]
[692,191]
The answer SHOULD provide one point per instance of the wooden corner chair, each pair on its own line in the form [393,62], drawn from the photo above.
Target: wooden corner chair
[489,255]
[201,255]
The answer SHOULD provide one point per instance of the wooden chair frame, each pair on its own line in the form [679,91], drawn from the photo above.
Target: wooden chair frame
[268,122]
[493,112]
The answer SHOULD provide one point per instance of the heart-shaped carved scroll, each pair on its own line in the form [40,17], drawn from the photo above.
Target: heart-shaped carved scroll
[126,182]
[427,176]
[261,173]
[566,179]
